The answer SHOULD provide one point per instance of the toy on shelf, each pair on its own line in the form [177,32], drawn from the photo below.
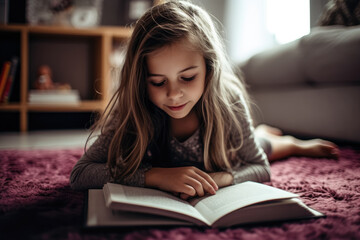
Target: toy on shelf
[46,91]
[44,80]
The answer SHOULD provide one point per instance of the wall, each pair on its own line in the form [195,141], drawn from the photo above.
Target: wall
[232,14]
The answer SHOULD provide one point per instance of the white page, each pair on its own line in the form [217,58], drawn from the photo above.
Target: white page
[237,196]
[269,211]
[100,215]
[153,200]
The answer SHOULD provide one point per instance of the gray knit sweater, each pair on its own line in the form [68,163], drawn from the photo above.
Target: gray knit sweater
[250,163]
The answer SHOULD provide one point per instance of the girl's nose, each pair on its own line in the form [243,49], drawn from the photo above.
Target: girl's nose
[174,91]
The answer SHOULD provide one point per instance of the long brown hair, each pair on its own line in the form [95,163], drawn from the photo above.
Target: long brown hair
[341,12]
[129,112]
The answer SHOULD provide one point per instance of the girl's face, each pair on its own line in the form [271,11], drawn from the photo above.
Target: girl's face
[176,78]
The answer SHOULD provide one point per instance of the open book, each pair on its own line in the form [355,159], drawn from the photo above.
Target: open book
[245,203]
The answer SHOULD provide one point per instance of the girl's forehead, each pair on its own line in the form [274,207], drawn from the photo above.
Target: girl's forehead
[175,47]
[173,58]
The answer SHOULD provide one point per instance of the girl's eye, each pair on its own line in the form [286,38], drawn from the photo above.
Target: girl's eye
[157,84]
[188,79]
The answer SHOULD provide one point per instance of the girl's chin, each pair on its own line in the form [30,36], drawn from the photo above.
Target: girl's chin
[178,114]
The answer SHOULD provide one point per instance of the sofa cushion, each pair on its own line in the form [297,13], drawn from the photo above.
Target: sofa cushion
[332,54]
[330,112]
[328,54]
[274,67]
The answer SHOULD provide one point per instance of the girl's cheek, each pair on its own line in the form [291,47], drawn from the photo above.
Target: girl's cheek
[154,91]
[155,94]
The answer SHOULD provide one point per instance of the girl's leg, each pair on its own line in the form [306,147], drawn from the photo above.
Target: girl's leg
[285,146]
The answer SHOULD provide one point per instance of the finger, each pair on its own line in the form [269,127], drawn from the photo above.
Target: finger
[208,187]
[208,179]
[188,190]
[196,184]
[184,196]
[207,182]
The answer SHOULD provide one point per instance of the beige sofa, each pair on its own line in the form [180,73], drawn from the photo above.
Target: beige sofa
[310,87]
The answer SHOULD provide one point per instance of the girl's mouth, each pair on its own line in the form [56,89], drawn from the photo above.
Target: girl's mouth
[176,108]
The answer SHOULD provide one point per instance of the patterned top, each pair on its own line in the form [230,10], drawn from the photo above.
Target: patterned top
[250,163]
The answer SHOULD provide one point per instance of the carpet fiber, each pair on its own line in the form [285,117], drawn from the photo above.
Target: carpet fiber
[36,201]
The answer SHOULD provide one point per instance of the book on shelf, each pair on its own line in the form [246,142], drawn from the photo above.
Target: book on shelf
[10,81]
[4,11]
[118,205]
[4,75]
[44,97]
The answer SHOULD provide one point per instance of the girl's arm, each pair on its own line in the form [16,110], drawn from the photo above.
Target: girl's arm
[91,170]
[222,179]
[250,163]
[256,170]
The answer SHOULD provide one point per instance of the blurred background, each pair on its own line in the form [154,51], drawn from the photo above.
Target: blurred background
[293,69]
[248,26]
[253,26]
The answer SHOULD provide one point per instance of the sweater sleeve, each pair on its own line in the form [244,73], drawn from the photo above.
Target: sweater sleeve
[91,171]
[250,162]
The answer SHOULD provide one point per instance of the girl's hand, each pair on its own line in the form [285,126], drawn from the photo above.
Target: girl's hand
[188,181]
[222,179]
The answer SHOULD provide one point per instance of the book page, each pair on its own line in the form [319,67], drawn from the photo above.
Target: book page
[270,211]
[150,201]
[99,215]
[237,196]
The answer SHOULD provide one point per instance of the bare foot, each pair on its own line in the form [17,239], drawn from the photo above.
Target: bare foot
[286,146]
[316,148]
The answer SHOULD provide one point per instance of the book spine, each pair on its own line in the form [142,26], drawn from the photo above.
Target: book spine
[4,75]
[4,11]
[10,80]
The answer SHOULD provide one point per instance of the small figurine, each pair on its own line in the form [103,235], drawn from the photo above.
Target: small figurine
[44,80]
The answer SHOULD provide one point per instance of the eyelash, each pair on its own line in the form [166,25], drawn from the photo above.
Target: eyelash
[157,84]
[189,79]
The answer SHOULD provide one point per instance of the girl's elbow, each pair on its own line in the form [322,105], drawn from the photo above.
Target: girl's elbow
[74,182]
[75,185]
[267,175]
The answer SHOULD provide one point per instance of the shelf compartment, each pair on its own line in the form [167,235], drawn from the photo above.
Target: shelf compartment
[115,32]
[9,121]
[83,106]
[71,59]
[94,45]
[60,120]
[10,107]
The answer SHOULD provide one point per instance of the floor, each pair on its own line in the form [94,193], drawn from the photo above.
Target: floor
[55,139]
[43,139]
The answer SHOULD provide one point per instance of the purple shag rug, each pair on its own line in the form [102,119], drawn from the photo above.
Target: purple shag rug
[36,201]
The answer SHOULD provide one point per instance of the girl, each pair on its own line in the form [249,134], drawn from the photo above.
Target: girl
[180,119]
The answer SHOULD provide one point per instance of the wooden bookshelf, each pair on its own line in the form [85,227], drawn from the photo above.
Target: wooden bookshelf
[100,42]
